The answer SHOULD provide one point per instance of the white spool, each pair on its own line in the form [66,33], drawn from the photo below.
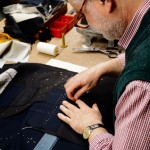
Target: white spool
[47,48]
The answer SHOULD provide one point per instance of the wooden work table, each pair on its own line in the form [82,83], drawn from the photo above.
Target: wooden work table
[73,40]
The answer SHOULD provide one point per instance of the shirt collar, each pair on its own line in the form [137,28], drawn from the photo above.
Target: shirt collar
[134,25]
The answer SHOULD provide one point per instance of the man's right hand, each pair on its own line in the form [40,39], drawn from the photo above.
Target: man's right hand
[88,79]
[81,83]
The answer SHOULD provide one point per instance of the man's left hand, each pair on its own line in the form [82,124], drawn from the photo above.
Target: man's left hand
[79,117]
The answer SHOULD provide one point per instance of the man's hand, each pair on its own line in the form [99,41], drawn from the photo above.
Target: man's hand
[86,80]
[79,118]
[81,83]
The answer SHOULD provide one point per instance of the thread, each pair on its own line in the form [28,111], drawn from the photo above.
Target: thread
[47,48]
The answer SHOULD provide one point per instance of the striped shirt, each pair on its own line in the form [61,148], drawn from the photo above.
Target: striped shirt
[132,126]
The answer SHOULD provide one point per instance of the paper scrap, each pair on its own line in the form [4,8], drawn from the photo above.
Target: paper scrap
[65,65]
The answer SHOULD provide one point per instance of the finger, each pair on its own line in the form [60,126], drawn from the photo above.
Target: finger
[80,92]
[65,110]
[95,107]
[68,105]
[72,86]
[68,82]
[71,90]
[81,104]
[70,95]
[64,118]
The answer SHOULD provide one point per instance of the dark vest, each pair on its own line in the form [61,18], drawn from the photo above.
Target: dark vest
[137,59]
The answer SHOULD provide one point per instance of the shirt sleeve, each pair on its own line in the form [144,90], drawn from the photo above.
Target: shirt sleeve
[132,121]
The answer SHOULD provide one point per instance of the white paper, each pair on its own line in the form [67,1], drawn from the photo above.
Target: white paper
[65,65]
[19,17]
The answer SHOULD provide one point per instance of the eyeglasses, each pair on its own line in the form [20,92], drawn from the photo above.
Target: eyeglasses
[79,17]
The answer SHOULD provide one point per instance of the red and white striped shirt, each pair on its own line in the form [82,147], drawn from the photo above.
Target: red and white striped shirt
[132,126]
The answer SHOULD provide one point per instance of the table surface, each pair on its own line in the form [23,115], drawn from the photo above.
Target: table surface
[74,40]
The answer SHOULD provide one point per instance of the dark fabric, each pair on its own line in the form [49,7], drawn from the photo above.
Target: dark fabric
[53,3]
[14,137]
[13,29]
[31,27]
[25,30]
[43,116]
[36,81]
[66,145]
[4,3]
[31,2]
[23,128]
[137,65]
[44,7]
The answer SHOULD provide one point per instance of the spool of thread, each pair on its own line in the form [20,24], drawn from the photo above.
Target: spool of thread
[47,48]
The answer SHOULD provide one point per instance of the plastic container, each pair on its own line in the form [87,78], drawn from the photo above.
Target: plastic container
[61,25]
[57,28]
[68,20]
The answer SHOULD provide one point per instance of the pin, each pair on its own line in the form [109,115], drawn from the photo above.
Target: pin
[63,41]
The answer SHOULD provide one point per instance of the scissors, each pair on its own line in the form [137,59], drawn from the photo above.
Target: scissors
[110,53]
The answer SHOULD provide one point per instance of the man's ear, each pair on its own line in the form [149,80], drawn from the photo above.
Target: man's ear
[108,4]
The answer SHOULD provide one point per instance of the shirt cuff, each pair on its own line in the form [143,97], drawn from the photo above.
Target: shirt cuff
[100,141]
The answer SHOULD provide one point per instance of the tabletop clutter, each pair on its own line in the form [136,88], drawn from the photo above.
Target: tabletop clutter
[29,21]
[26,23]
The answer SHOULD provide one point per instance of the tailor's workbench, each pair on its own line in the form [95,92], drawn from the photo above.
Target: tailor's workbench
[73,40]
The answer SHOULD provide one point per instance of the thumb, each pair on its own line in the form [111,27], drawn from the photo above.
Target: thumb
[95,107]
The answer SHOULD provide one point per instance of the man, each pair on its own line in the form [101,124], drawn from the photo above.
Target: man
[128,21]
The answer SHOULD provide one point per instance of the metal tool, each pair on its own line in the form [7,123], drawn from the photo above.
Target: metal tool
[110,53]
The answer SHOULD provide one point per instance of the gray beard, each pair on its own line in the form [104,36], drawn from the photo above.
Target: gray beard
[111,29]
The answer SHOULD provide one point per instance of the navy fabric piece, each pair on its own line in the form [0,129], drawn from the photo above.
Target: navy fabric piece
[66,145]
[7,96]
[14,137]
[31,2]
[13,29]
[43,117]
[25,30]
[25,129]
[44,114]
[31,27]
[35,81]
[15,94]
